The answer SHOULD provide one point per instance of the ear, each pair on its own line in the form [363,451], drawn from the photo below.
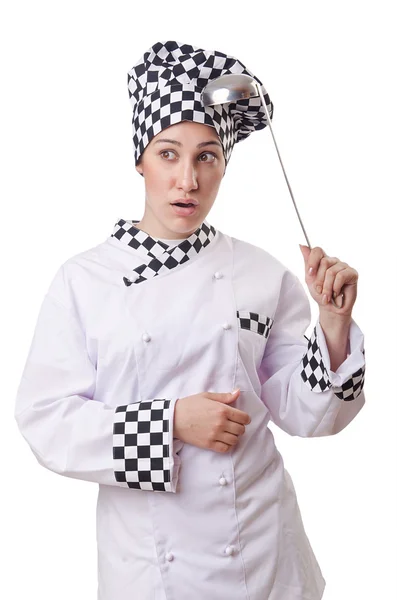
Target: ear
[139,169]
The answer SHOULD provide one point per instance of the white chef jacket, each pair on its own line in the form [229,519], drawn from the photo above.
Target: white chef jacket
[128,327]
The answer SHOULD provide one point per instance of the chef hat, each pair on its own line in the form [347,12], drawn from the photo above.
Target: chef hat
[165,88]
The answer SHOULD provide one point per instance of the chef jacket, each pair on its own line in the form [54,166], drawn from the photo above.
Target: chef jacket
[128,327]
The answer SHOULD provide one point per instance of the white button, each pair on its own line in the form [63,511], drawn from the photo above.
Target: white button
[218,275]
[229,550]
[146,337]
[169,556]
[226,326]
[222,481]
[134,276]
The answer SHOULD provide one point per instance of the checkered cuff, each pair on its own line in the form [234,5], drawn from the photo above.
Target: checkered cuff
[143,446]
[348,381]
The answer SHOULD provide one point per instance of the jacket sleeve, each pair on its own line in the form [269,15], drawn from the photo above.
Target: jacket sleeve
[74,434]
[304,397]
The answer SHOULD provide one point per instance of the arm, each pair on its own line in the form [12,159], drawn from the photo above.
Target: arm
[72,433]
[336,331]
[303,395]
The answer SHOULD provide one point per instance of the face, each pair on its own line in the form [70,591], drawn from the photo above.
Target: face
[183,161]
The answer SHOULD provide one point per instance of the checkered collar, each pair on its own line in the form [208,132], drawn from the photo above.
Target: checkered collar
[163,257]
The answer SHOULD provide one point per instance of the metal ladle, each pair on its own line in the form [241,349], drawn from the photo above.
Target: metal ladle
[235,87]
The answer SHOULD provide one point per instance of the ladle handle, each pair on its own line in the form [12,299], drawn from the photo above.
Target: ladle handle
[289,187]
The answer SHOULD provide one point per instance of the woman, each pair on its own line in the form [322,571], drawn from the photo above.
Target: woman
[161,354]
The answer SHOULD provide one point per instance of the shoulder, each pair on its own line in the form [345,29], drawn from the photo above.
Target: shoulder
[77,271]
[245,249]
[260,262]
[94,254]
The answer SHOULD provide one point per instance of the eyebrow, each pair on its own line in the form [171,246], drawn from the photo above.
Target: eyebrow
[168,141]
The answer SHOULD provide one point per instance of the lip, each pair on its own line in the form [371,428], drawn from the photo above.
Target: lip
[185,201]
[184,211]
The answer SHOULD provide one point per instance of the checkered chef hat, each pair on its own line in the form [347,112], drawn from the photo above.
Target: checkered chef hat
[165,88]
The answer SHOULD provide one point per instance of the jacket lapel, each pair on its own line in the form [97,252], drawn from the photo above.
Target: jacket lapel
[163,257]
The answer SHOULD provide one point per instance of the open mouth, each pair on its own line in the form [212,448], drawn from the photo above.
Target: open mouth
[184,209]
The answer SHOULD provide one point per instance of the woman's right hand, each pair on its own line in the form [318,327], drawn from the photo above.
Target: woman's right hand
[205,420]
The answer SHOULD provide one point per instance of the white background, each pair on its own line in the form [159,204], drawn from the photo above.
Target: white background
[68,176]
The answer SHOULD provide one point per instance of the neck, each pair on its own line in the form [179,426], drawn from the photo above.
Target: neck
[151,225]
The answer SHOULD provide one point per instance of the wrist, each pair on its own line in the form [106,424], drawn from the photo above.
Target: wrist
[336,333]
[176,433]
[328,319]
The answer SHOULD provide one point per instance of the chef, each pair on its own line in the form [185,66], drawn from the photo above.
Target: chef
[161,354]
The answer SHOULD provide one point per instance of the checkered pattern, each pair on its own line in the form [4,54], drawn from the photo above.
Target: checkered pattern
[316,377]
[163,256]
[352,387]
[314,373]
[255,322]
[141,445]
[165,88]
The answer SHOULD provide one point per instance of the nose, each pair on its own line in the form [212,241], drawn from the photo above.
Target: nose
[187,176]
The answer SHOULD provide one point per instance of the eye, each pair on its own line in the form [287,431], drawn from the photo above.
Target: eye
[166,153]
[210,154]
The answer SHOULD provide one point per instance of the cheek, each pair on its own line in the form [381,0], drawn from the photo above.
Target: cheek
[211,180]
[157,180]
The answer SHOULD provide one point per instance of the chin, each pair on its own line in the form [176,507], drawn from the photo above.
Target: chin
[185,225]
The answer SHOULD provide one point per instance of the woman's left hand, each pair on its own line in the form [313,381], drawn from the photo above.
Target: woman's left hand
[327,277]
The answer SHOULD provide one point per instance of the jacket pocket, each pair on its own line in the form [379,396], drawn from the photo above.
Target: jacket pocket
[256,322]
[253,329]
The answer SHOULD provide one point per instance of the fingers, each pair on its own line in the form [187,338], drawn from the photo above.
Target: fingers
[334,279]
[228,438]
[223,397]
[234,428]
[220,447]
[325,278]
[225,442]
[234,414]
[314,259]
[238,416]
